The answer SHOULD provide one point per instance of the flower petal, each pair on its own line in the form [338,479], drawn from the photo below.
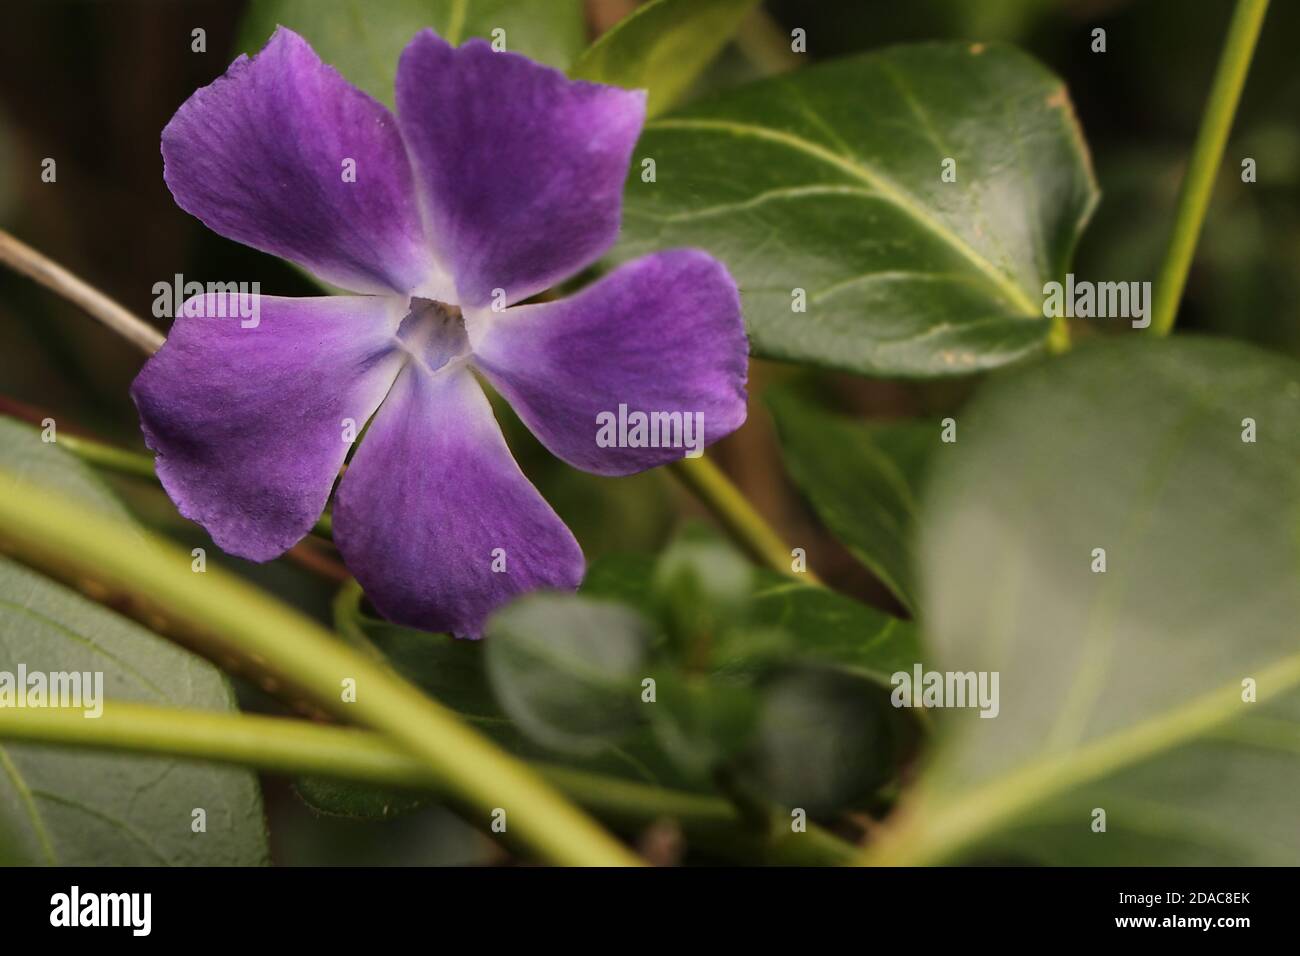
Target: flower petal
[429,498]
[662,334]
[521,168]
[261,156]
[248,423]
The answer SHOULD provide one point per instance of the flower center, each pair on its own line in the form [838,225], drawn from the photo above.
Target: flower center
[433,333]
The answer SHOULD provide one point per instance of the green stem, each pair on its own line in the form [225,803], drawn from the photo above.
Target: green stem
[48,530]
[109,458]
[1194,198]
[1058,340]
[707,482]
[297,747]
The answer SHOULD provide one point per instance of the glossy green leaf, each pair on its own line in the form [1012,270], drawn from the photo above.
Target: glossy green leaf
[825,185]
[363,40]
[662,47]
[1164,690]
[862,479]
[83,809]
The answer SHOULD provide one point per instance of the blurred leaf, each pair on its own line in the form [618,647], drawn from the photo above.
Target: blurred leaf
[1004,19]
[662,46]
[433,836]
[567,669]
[699,583]
[784,620]
[1120,690]
[704,720]
[93,809]
[623,577]
[795,186]
[454,672]
[731,698]
[861,478]
[830,629]
[363,40]
[826,741]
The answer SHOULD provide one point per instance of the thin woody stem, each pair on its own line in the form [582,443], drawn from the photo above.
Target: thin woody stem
[24,259]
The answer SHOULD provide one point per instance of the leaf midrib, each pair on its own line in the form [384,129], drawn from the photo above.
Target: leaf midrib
[29,804]
[934,830]
[883,186]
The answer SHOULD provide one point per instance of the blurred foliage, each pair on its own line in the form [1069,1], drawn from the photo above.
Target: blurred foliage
[674,671]
[1133,689]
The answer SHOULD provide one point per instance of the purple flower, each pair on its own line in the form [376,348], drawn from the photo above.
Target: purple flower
[497,178]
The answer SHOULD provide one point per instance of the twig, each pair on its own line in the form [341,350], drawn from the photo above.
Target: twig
[23,258]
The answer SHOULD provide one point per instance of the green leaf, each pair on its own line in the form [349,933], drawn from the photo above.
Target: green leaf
[705,720]
[363,41]
[84,809]
[824,740]
[344,798]
[699,586]
[1121,691]
[833,630]
[25,455]
[861,478]
[568,669]
[828,180]
[817,626]
[785,696]
[455,673]
[662,46]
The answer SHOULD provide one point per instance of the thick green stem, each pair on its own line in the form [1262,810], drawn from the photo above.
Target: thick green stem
[297,747]
[109,458]
[1194,198]
[707,482]
[49,530]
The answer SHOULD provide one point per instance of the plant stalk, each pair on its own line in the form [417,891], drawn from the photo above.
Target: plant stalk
[710,484]
[24,259]
[1207,154]
[47,530]
[298,747]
